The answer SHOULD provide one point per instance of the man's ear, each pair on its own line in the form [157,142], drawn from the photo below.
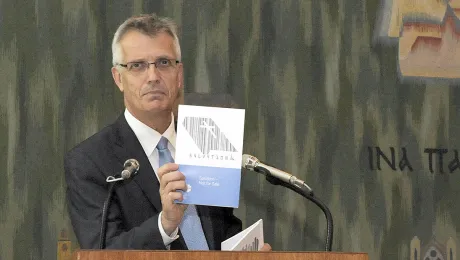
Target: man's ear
[117,78]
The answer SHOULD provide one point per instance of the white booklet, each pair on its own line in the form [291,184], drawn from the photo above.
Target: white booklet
[209,148]
[250,239]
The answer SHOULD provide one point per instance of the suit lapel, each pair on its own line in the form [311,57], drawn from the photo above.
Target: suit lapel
[127,146]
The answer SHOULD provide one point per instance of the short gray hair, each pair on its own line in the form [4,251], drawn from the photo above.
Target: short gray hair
[148,24]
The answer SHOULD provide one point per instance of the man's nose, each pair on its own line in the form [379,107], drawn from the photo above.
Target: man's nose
[153,72]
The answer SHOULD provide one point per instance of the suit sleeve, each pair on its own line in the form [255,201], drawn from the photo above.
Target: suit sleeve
[86,192]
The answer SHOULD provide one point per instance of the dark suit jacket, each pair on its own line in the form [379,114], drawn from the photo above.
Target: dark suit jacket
[133,215]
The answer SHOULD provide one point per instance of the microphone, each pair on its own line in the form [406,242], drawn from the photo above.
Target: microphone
[130,169]
[278,177]
[251,163]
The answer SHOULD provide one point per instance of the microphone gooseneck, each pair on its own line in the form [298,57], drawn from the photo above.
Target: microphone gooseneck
[278,177]
[105,210]
[130,169]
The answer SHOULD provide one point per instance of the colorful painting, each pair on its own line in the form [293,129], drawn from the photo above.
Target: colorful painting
[427,32]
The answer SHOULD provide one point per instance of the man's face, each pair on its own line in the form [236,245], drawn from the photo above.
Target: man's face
[151,89]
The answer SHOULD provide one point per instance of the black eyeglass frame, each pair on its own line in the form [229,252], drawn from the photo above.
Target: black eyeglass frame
[150,63]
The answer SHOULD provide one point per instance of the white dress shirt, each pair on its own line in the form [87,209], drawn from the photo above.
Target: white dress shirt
[149,139]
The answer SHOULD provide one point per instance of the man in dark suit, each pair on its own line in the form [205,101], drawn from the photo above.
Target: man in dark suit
[147,68]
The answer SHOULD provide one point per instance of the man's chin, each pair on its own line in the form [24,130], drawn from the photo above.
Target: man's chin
[156,106]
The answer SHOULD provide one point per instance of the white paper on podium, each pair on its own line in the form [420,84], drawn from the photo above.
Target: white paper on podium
[250,239]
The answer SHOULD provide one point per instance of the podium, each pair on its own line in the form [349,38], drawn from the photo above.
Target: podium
[205,255]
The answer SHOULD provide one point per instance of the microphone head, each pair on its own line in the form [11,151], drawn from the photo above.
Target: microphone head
[131,162]
[131,166]
[249,162]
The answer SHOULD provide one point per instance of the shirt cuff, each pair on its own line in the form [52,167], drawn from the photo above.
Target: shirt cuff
[167,240]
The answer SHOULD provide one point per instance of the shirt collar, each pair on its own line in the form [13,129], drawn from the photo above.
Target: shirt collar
[148,137]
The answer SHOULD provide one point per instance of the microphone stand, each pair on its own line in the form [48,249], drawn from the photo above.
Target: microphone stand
[105,209]
[309,196]
[131,167]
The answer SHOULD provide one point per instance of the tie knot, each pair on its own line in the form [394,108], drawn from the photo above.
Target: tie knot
[162,144]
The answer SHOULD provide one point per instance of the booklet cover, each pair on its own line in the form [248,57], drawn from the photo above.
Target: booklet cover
[250,239]
[209,148]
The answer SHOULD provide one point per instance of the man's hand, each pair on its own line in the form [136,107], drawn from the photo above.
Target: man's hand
[266,247]
[171,181]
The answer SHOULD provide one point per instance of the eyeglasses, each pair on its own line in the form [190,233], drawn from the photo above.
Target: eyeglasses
[162,64]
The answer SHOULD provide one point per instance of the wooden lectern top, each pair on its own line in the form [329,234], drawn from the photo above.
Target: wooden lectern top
[205,255]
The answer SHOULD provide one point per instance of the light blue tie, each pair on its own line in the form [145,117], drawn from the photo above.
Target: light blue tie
[191,228]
